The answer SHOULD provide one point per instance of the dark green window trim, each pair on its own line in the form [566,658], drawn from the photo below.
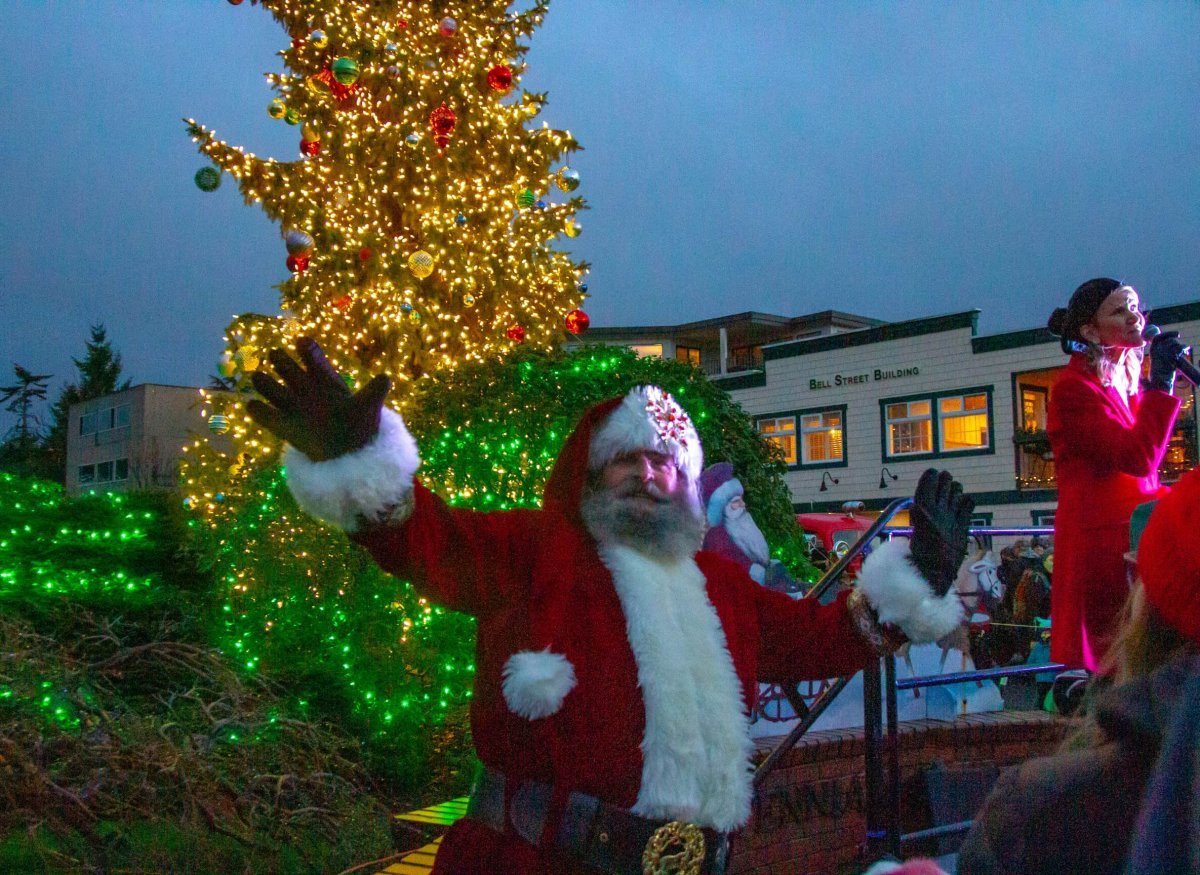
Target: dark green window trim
[933,398]
[1038,515]
[812,466]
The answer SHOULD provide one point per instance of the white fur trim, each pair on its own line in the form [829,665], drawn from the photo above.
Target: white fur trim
[697,747]
[632,426]
[535,682]
[372,484]
[900,595]
[721,496]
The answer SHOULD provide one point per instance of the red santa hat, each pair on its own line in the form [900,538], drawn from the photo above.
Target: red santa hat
[648,418]
[1167,559]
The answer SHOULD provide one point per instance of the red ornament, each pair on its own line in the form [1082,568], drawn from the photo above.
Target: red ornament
[235,2]
[578,321]
[342,303]
[516,332]
[341,93]
[500,78]
[442,120]
[442,141]
[310,147]
[365,254]
[402,24]
[297,263]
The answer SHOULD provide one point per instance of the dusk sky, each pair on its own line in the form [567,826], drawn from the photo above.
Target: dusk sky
[892,159]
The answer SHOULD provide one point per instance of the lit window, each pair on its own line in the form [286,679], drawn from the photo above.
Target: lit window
[689,354]
[647,350]
[909,426]
[782,433]
[821,437]
[963,422]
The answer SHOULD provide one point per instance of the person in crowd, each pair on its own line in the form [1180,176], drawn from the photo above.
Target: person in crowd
[733,533]
[1122,792]
[1108,435]
[615,665]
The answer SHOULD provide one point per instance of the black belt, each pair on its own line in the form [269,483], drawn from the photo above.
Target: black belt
[603,836]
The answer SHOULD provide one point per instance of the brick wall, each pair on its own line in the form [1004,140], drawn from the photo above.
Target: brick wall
[809,813]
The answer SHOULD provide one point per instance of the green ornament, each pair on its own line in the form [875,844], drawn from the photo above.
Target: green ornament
[526,198]
[292,116]
[276,108]
[208,179]
[345,70]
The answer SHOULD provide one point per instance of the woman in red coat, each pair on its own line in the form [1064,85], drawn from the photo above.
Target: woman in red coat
[1108,440]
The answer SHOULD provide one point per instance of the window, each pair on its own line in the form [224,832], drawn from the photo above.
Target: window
[1033,408]
[909,428]
[813,438]
[87,423]
[940,424]
[647,350]
[781,432]
[689,354]
[821,437]
[1042,517]
[964,422]
[87,474]
[121,416]
[104,472]
[121,469]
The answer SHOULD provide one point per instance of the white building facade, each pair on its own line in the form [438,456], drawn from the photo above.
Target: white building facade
[859,413]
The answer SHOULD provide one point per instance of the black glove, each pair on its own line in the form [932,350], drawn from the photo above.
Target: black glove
[941,516]
[314,410]
[1165,350]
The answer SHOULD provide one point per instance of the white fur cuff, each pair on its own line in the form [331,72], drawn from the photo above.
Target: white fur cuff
[900,595]
[373,484]
[536,682]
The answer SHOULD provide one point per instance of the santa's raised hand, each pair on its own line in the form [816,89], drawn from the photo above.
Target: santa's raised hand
[312,408]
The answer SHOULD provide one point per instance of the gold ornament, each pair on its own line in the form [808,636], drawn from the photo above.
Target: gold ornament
[319,39]
[573,229]
[469,300]
[684,840]
[421,264]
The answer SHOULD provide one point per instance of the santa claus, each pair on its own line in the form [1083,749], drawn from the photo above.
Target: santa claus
[616,664]
[733,533]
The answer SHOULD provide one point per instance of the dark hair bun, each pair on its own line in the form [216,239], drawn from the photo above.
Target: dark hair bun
[1058,321]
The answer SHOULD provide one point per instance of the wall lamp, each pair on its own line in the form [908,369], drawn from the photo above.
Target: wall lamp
[827,475]
[883,475]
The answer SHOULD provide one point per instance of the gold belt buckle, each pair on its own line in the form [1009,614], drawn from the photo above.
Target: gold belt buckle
[676,848]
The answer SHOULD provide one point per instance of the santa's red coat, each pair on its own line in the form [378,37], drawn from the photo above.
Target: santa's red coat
[534,579]
[1106,458]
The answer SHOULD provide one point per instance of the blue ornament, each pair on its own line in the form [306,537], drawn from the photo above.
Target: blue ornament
[219,497]
[460,220]
[583,287]
[540,205]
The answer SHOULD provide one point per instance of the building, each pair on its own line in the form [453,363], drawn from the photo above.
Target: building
[131,439]
[859,408]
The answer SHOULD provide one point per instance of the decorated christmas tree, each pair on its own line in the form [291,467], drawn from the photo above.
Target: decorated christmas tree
[418,224]
[419,219]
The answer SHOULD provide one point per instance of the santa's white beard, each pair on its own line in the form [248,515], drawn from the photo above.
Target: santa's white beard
[671,528]
[746,535]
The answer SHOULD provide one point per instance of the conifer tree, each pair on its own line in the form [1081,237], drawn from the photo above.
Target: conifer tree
[99,374]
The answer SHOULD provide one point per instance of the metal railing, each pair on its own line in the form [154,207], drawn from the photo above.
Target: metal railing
[882,812]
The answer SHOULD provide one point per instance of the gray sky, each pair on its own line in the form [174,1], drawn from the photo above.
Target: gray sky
[889,159]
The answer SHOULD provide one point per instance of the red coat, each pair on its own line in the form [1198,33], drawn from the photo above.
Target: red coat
[1106,458]
[535,579]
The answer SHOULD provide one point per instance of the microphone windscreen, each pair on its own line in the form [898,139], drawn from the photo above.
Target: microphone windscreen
[1150,332]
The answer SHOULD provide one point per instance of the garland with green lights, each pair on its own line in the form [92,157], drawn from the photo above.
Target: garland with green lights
[129,744]
[308,608]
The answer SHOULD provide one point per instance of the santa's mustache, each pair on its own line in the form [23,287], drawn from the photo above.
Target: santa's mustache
[637,489]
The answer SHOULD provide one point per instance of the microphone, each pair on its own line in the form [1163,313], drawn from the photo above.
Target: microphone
[1189,371]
